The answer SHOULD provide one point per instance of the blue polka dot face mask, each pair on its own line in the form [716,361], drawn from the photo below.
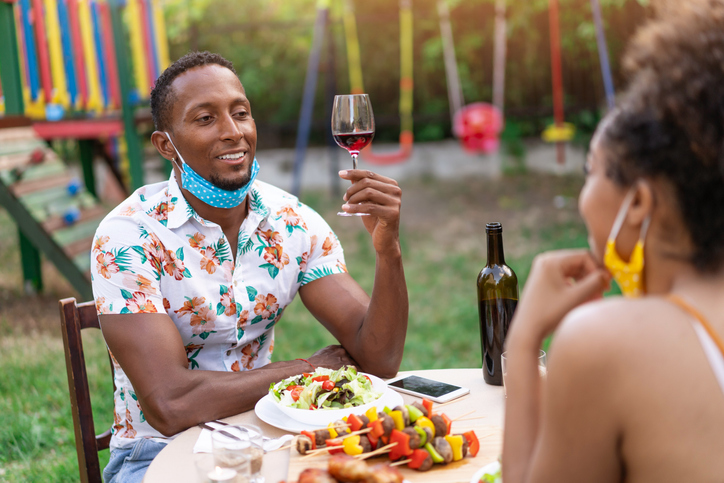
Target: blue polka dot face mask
[204,190]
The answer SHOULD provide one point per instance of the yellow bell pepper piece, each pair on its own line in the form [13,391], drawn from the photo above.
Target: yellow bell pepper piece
[456,442]
[425,422]
[332,432]
[351,445]
[371,414]
[398,419]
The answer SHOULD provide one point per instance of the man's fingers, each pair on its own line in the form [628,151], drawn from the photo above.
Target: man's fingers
[359,174]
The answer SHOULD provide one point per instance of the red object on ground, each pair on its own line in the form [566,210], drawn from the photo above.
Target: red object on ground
[399,156]
[478,126]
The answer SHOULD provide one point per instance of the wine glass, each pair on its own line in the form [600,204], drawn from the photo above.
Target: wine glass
[353,127]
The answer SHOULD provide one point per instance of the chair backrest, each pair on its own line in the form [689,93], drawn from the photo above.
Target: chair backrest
[74,318]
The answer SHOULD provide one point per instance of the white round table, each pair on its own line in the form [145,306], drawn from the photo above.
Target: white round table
[176,463]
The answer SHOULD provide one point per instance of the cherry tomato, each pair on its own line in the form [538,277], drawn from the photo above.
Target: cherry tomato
[296,391]
[328,385]
[320,378]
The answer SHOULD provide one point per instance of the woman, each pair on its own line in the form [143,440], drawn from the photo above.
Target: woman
[635,385]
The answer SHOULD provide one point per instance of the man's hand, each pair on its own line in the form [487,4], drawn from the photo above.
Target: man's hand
[381,197]
[332,357]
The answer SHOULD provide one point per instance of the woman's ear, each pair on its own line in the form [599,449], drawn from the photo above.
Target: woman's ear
[642,205]
[163,145]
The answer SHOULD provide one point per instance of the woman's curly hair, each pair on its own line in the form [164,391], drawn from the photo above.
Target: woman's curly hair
[670,121]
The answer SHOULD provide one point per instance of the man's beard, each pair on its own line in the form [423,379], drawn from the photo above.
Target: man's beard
[230,184]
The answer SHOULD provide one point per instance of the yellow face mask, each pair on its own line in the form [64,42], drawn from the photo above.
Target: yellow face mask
[628,275]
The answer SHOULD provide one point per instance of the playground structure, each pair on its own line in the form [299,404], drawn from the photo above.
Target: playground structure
[61,69]
[479,125]
[71,69]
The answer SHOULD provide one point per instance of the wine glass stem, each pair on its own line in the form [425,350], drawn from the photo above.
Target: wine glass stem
[354,161]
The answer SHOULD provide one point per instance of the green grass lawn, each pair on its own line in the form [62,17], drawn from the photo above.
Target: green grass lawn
[442,259]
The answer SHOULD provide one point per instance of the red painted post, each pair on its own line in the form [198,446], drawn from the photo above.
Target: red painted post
[43,58]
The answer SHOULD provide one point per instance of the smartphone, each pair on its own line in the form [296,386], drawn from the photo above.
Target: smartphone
[435,391]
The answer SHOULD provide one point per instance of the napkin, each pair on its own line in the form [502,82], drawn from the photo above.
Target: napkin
[203,444]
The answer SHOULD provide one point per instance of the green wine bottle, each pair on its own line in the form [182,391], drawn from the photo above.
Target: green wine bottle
[497,299]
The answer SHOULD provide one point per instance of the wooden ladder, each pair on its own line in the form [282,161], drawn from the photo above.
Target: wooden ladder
[50,204]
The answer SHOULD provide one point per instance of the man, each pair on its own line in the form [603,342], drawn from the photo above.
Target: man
[191,275]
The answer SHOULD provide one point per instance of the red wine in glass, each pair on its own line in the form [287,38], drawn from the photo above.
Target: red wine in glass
[354,142]
[353,127]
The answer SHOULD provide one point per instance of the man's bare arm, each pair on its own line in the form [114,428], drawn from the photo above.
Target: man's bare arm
[173,397]
[372,329]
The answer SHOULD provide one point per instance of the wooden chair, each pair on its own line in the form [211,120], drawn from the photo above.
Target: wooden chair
[73,319]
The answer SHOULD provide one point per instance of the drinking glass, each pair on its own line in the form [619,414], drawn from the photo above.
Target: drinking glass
[256,450]
[353,127]
[542,366]
[231,447]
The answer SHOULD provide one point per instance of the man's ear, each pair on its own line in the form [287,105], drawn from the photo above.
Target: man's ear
[643,203]
[163,145]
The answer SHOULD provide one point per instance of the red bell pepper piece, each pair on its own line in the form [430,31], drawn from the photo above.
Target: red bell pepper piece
[306,374]
[311,436]
[473,443]
[417,458]
[355,423]
[427,405]
[402,448]
[377,431]
[320,378]
[335,446]
[448,422]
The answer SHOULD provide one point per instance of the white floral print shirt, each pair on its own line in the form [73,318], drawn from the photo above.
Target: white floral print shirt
[154,253]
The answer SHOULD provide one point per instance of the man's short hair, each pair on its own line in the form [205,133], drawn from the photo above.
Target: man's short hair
[162,95]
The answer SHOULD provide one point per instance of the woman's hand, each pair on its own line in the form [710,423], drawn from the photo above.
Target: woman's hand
[559,282]
[381,197]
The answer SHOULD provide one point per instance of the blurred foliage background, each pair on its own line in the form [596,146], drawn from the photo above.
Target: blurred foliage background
[269,43]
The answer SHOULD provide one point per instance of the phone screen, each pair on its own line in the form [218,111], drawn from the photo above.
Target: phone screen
[424,386]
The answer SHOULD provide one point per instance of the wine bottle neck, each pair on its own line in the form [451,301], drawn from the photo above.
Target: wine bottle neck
[495,249]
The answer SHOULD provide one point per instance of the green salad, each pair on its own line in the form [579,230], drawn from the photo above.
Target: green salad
[493,476]
[325,389]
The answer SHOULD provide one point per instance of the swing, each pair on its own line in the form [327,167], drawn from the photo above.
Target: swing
[406,84]
[478,125]
[560,131]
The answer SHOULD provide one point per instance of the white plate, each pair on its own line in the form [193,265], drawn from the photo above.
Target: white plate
[268,411]
[489,468]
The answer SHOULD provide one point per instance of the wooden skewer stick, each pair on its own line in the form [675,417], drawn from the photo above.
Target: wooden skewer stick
[453,401]
[283,447]
[316,452]
[400,463]
[378,451]
[460,417]
[329,427]
[470,419]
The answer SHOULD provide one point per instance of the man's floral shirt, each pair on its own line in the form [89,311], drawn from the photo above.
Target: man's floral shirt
[154,253]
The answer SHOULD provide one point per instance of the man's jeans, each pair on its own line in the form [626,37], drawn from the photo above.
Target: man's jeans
[129,465]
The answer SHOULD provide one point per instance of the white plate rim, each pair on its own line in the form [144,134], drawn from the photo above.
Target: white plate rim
[492,466]
[268,411]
